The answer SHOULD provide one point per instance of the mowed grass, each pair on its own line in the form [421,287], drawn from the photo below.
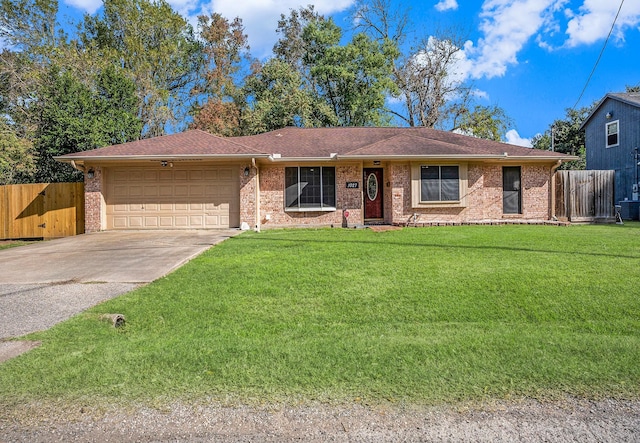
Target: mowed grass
[421,315]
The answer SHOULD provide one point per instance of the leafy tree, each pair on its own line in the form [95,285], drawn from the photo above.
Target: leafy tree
[17,163]
[291,46]
[564,135]
[75,117]
[489,122]
[276,98]
[352,79]
[225,47]
[31,30]
[156,46]
[30,25]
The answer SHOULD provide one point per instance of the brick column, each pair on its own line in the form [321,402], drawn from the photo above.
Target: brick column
[248,187]
[93,200]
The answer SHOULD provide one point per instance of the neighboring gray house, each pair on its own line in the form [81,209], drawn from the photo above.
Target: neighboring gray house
[612,140]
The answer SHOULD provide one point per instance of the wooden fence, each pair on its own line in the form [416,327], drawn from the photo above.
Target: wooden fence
[41,210]
[585,196]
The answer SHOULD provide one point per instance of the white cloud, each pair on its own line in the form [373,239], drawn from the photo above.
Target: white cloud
[514,138]
[593,21]
[260,17]
[507,26]
[89,6]
[446,5]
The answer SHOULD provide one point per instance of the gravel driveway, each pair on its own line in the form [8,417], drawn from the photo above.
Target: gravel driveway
[570,420]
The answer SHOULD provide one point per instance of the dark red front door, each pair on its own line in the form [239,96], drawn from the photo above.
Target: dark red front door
[372,187]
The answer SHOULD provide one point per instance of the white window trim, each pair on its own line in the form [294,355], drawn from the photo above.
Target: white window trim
[416,182]
[606,134]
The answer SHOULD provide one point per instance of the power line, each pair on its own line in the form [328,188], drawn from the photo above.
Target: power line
[599,56]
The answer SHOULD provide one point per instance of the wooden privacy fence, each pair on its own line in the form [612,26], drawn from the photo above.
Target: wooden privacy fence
[41,210]
[585,196]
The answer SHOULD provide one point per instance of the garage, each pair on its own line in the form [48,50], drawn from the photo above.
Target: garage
[172,197]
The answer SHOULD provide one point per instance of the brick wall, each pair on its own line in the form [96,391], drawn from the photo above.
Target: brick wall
[93,201]
[248,195]
[484,196]
[272,200]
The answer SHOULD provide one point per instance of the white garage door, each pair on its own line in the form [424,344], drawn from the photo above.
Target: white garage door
[172,198]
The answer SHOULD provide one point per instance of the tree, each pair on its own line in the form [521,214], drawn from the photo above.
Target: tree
[225,47]
[31,30]
[564,135]
[353,80]
[431,88]
[30,25]
[489,122]
[75,117]
[17,163]
[277,98]
[291,46]
[156,46]
[433,93]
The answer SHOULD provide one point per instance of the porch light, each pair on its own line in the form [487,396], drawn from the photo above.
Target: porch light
[246,171]
[91,173]
[609,115]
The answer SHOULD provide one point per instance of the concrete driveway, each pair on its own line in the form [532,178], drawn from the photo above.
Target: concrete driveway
[47,282]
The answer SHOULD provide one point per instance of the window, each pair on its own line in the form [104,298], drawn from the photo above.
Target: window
[439,183]
[310,188]
[612,134]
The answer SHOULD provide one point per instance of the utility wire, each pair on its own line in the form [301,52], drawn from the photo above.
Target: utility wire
[599,56]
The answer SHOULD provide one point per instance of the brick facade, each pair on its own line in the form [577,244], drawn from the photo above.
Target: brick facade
[248,195]
[483,197]
[93,200]
[273,214]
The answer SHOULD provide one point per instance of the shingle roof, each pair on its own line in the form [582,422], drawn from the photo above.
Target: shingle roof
[190,143]
[630,98]
[319,143]
[389,142]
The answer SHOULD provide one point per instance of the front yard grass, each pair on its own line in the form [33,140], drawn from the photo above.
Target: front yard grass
[421,315]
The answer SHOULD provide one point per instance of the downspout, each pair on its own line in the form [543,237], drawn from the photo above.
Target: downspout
[257,178]
[78,167]
[553,189]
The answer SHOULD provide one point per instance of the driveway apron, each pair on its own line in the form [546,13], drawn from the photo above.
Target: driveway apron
[47,282]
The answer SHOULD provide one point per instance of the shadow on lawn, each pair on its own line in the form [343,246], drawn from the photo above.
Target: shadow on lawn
[431,245]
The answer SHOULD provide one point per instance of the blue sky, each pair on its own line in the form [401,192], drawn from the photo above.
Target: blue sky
[530,57]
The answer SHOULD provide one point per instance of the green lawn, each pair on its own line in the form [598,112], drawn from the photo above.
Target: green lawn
[421,315]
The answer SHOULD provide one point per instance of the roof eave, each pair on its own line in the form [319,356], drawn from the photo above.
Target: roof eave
[279,159]
[459,157]
[611,96]
[85,158]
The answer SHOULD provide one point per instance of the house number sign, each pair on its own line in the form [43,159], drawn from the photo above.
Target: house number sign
[352,185]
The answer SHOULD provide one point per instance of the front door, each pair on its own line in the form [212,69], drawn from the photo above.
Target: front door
[373,201]
[511,194]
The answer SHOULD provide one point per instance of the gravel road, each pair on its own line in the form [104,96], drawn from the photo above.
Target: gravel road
[570,420]
[26,308]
